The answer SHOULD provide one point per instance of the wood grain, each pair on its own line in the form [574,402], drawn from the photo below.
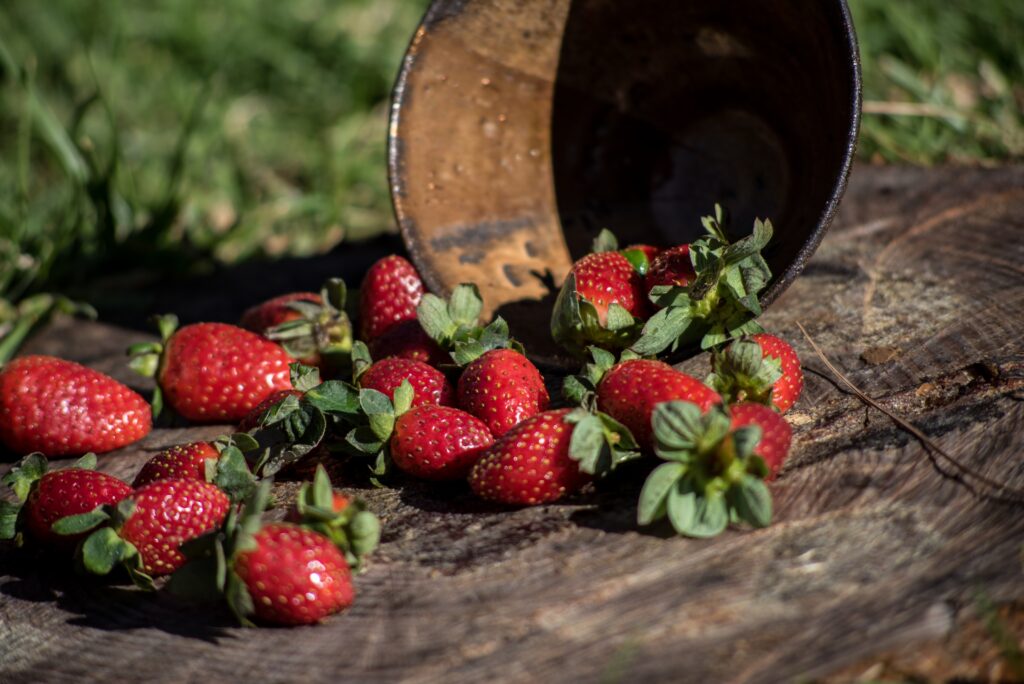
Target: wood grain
[874,547]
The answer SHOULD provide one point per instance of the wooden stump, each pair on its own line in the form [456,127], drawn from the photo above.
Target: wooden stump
[917,293]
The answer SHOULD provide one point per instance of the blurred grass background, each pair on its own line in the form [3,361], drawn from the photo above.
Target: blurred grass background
[146,140]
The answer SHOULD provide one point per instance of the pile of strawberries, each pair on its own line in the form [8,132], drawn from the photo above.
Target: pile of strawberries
[427,389]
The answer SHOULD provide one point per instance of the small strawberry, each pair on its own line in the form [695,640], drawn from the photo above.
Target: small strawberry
[761,368]
[61,408]
[390,292]
[438,442]
[346,522]
[50,496]
[549,455]
[671,268]
[502,388]
[630,391]
[276,573]
[212,372]
[220,462]
[312,328]
[429,385]
[776,434]
[714,470]
[144,531]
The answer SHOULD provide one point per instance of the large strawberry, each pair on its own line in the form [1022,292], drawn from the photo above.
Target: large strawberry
[312,328]
[62,408]
[762,368]
[276,573]
[549,455]
[50,496]
[502,388]
[629,391]
[212,372]
[144,531]
[603,301]
[220,462]
[714,468]
[718,301]
[438,442]
[390,292]
[429,385]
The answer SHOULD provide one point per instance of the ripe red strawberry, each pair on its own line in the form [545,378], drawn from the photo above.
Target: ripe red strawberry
[295,576]
[408,340]
[530,464]
[429,385]
[183,461]
[276,311]
[213,372]
[50,496]
[438,442]
[502,388]
[606,278]
[631,389]
[671,267]
[61,408]
[776,434]
[760,368]
[389,295]
[252,420]
[167,514]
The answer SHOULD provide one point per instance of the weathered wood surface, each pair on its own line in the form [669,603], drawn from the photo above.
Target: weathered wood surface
[874,547]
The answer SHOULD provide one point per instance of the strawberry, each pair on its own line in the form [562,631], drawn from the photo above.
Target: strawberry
[346,522]
[429,385]
[144,531]
[50,496]
[603,301]
[212,372]
[671,268]
[276,573]
[714,470]
[408,340]
[549,455]
[502,388]
[630,390]
[438,442]
[313,328]
[294,576]
[61,408]
[776,434]
[220,462]
[761,368]
[390,292]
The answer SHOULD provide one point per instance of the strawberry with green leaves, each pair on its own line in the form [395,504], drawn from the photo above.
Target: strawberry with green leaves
[715,467]
[718,302]
[603,301]
[312,328]
[144,531]
[220,462]
[47,496]
[61,408]
[211,372]
[550,455]
[761,368]
[268,573]
[390,293]
[344,520]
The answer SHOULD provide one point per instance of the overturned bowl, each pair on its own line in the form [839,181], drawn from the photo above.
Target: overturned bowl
[520,128]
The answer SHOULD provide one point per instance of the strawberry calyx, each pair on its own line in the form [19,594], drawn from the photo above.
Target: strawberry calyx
[741,372]
[721,303]
[230,471]
[353,529]
[454,324]
[146,358]
[322,330]
[711,475]
[372,438]
[22,478]
[599,443]
[104,550]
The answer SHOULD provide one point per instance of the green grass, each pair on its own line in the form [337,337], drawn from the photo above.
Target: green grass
[146,139]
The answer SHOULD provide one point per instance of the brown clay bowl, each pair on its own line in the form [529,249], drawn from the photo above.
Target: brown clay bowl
[520,128]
